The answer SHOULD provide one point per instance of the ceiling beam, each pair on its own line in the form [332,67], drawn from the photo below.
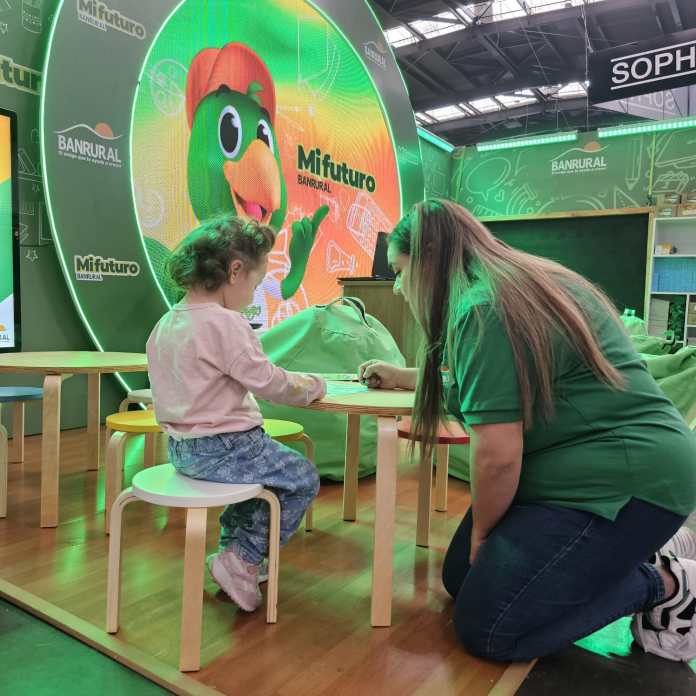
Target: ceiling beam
[525,81]
[673,8]
[521,112]
[469,35]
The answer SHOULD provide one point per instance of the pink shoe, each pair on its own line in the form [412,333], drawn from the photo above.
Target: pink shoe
[237,579]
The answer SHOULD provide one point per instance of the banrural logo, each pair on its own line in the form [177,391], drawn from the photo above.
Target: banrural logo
[377,53]
[579,160]
[95,145]
[99,15]
[94,268]
[19,77]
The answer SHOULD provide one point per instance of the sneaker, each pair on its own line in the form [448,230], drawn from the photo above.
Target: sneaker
[682,544]
[263,571]
[237,579]
[669,629]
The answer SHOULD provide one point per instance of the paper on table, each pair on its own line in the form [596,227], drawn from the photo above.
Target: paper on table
[338,376]
[343,388]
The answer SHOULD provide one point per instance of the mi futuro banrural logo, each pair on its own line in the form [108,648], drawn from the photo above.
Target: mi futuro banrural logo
[95,145]
[579,160]
[94,268]
[101,16]
[324,167]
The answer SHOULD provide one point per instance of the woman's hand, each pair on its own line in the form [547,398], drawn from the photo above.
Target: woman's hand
[377,374]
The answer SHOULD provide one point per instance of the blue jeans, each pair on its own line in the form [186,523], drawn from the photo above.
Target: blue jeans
[548,575]
[250,457]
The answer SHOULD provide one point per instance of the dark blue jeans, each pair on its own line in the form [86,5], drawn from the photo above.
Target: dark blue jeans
[549,575]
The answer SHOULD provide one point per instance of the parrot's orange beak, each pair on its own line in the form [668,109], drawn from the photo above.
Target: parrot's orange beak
[254,183]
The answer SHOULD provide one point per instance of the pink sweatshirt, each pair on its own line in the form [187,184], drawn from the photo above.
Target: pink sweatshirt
[204,360]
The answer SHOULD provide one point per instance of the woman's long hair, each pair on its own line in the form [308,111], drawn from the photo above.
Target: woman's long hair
[450,252]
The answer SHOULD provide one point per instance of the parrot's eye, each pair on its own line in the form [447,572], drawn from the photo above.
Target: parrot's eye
[230,131]
[263,133]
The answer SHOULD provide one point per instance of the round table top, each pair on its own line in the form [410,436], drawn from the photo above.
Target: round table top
[72,362]
[373,402]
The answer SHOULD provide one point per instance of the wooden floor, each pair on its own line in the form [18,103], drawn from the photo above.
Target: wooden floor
[322,643]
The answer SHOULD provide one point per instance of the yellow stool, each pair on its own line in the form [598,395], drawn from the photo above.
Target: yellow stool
[123,426]
[128,423]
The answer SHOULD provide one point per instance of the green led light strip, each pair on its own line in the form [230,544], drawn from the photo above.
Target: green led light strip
[432,138]
[653,127]
[528,142]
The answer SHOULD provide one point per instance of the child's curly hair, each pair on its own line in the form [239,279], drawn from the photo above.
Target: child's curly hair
[203,258]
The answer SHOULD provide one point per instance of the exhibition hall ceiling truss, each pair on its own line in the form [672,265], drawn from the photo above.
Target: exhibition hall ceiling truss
[502,68]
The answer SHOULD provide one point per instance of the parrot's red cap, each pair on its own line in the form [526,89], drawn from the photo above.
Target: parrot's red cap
[234,65]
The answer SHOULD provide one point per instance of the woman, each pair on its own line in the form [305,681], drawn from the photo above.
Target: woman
[581,468]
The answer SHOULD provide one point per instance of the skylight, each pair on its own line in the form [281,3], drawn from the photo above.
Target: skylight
[522,97]
[424,118]
[572,89]
[485,105]
[400,36]
[446,113]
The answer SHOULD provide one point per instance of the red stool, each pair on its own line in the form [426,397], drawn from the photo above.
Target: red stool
[449,433]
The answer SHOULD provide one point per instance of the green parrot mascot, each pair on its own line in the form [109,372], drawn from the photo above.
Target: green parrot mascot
[233,159]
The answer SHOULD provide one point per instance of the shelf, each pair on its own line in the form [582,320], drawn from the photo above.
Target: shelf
[688,218]
[674,256]
[669,292]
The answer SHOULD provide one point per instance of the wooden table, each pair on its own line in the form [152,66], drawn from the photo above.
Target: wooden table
[57,366]
[386,404]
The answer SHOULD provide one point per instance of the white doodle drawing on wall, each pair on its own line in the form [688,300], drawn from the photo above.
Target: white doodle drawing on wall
[5,6]
[407,156]
[487,175]
[338,260]
[31,16]
[319,82]
[4,27]
[365,220]
[168,86]
[28,169]
[32,255]
[334,207]
[150,205]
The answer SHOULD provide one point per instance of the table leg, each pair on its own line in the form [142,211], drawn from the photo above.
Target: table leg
[50,450]
[385,514]
[350,476]
[16,452]
[93,418]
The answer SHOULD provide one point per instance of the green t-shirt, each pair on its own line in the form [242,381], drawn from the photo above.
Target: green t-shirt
[603,446]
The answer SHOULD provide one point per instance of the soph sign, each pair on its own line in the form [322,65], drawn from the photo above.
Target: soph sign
[647,66]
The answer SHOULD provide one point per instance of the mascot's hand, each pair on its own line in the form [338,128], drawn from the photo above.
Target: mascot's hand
[304,233]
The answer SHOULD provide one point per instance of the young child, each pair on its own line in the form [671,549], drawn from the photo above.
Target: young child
[205,363]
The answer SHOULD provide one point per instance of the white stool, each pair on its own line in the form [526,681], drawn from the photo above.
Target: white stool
[162,485]
[136,396]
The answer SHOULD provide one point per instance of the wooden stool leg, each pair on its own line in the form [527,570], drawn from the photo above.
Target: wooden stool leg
[115,456]
[350,478]
[441,474]
[113,581]
[149,450]
[16,451]
[192,592]
[425,483]
[50,450]
[309,453]
[3,471]
[93,421]
[273,555]
[123,406]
